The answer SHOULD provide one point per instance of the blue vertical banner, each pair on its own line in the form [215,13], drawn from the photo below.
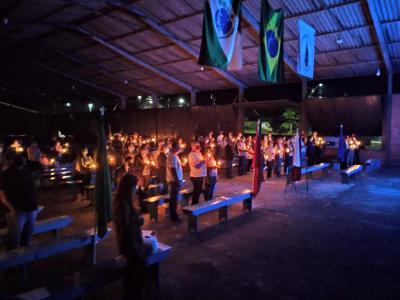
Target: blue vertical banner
[305,59]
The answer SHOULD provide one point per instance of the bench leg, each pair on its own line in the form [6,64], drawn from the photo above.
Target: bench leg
[223,213]
[153,211]
[345,179]
[248,204]
[56,233]
[193,224]
[154,274]
[166,211]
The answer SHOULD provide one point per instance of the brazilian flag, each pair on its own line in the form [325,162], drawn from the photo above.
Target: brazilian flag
[270,54]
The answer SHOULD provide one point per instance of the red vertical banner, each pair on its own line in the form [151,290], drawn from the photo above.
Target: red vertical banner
[257,161]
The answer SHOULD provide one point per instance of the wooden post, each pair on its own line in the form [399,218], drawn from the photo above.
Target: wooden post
[192,98]
[387,116]
[240,111]
[303,107]
[154,97]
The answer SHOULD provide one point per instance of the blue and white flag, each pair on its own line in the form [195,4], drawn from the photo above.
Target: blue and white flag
[305,60]
[221,44]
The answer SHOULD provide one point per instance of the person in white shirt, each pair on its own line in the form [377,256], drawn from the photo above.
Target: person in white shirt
[212,173]
[249,155]
[174,179]
[242,150]
[198,170]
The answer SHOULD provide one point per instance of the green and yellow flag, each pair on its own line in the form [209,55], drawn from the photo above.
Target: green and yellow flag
[270,54]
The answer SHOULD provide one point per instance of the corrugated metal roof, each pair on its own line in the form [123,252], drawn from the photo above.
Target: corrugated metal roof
[347,20]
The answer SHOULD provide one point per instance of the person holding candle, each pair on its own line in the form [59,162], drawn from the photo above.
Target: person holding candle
[249,155]
[198,171]
[211,178]
[242,152]
[127,225]
[162,167]
[84,164]
[280,151]
[126,168]
[269,155]
[174,179]
[357,149]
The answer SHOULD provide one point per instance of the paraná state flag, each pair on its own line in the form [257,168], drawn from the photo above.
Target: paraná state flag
[270,54]
[257,162]
[221,43]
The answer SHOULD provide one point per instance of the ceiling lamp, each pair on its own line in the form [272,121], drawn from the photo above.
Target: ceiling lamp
[339,40]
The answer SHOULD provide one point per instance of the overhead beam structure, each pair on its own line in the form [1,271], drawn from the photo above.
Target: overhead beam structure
[63,74]
[101,70]
[122,52]
[155,25]
[379,34]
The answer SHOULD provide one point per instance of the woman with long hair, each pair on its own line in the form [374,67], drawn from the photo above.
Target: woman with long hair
[127,225]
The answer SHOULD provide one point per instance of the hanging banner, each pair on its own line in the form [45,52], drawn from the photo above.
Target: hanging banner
[270,53]
[221,43]
[305,59]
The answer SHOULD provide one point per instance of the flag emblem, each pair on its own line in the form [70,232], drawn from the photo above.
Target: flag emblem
[305,60]
[224,20]
[270,55]
[221,43]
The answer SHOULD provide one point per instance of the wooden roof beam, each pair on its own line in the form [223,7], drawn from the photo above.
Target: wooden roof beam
[155,25]
[122,52]
[379,34]
[63,74]
[100,70]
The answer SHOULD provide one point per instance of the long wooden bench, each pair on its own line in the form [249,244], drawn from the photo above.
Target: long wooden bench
[350,172]
[154,202]
[97,276]
[49,225]
[221,204]
[45,249]
[311,169]
[372,164]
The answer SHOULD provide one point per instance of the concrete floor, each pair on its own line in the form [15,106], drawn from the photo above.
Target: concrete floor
[339,242]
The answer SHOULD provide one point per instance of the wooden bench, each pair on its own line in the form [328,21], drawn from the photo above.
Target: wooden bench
[350,172]
[154,202]
[154,189]
[24,256]
[53,224]
[221,204]
[311,169]
[97,276]
[372,164]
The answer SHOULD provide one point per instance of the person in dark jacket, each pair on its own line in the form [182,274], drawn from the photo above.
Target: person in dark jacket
[127,224]
[229,155]
[18,197]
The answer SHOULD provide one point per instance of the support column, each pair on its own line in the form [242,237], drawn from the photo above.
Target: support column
[387,116]
[154,97]
[192,98]
[240,111]
[303,107]
[123,103]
